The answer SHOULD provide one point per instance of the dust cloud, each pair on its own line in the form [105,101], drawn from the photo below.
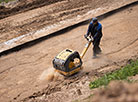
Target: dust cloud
[50,75]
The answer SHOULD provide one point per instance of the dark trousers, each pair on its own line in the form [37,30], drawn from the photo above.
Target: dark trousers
[96,48]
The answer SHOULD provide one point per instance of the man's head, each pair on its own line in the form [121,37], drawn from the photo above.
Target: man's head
[95,21]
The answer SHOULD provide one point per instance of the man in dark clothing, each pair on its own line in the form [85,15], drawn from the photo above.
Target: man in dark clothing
[95,32]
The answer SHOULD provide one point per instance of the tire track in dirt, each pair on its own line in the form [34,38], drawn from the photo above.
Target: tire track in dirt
[128,45]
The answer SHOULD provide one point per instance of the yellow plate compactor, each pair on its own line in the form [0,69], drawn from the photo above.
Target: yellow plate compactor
[69,62]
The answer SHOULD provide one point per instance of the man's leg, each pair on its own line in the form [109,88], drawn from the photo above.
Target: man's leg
[95,47]
[98,48]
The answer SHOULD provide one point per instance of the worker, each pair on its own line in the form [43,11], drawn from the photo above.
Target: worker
[95,32]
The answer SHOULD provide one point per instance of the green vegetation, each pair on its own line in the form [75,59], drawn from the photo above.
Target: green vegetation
[6,1]
[121,74]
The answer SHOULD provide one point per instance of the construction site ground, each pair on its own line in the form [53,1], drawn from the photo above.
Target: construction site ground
[26,75]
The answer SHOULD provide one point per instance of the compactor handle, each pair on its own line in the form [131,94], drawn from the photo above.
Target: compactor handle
[90,40]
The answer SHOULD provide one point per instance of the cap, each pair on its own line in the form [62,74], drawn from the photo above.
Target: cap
[94,20]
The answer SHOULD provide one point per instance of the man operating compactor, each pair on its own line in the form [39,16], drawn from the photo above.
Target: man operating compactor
[95,32]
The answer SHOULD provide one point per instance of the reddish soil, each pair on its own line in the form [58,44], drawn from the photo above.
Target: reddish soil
[117,92]
[23,74]
[23,6]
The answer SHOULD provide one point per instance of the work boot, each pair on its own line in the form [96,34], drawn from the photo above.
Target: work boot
[94,56]
[99,51]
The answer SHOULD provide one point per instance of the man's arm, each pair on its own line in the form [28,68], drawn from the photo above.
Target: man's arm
[99,31]
[89,29]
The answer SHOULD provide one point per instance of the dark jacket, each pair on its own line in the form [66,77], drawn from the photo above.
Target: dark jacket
[95,30]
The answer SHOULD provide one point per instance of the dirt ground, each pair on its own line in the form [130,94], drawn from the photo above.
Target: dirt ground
[28,19]
[23,74]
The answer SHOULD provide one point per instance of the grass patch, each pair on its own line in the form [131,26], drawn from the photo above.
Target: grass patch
[6,1]
[121,74]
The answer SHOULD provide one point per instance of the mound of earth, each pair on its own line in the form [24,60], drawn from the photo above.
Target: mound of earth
[117,92]
[19,6]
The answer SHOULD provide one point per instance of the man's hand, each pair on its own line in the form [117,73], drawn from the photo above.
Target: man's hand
[92,39]
[85,36]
